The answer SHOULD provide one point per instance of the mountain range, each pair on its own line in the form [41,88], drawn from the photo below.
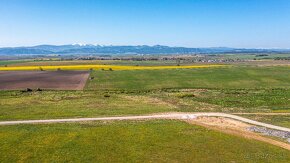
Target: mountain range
[88,49]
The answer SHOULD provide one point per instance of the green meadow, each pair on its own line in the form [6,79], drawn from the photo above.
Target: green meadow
[233,77]
[130,141]
[236,89]
[113,93]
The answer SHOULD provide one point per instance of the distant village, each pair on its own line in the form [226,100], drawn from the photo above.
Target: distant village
[178,59]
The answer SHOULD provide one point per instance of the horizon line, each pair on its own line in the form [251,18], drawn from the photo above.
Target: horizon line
[107,45]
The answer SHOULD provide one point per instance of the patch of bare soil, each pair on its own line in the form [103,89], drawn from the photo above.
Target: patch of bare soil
[55,80]
[196,91]
[236,128]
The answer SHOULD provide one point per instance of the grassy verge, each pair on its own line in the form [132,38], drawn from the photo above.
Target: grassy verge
[279,120]
[128,141]
[58,104]
[243,100]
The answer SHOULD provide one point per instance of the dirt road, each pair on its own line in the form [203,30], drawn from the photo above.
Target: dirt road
[180,116]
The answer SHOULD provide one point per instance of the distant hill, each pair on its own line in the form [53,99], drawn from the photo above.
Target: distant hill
[142,49]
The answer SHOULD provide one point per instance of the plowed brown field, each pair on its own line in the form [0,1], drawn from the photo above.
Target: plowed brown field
[54,80]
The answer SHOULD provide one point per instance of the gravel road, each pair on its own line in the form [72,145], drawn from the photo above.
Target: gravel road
[180,116]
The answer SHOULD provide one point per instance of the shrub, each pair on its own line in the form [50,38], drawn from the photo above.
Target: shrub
[27,90]
[185,95]
[106,95]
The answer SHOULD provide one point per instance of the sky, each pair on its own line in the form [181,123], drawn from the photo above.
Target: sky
[188,23]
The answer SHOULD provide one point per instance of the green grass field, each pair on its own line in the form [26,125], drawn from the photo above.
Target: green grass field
[252,56]
[221,78]
[50,104]
[58,104]
[274,100]
[12,62]
[136,92]
[129,141]
[146,92]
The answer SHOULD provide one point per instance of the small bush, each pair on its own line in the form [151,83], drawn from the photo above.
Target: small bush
[106,95]
[186,95]
[27,90]
[110,69]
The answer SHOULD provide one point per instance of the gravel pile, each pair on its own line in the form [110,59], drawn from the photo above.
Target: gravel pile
[270,132]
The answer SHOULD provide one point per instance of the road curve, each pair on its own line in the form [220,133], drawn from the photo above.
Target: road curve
[179,116]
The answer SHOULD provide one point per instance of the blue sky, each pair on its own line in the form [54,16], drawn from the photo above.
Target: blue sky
[190,23]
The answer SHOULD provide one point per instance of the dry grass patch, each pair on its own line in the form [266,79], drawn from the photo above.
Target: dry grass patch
[149,100]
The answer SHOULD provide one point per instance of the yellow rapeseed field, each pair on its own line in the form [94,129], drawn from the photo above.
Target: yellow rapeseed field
[105,67]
